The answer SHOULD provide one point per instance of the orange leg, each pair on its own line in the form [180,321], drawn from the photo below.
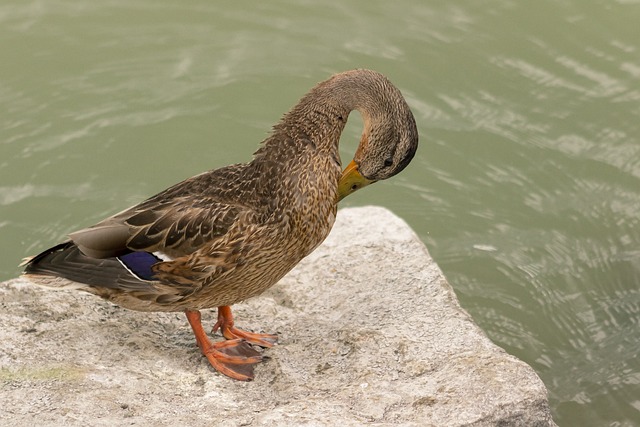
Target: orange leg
[225,324]
[234,358]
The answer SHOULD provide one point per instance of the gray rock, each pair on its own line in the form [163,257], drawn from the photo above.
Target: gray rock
[370,333]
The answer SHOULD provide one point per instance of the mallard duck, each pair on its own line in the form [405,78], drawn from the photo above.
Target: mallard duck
[229,234]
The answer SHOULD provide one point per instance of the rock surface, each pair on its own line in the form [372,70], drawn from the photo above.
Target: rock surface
[370,333]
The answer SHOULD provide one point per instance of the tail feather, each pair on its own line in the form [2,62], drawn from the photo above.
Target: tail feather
[66,261]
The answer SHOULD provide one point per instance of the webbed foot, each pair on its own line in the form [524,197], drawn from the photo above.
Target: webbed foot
[234,358]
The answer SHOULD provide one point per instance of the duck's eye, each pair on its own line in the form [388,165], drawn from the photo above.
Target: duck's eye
[388,162]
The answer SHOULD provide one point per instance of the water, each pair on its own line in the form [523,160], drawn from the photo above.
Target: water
[526,187]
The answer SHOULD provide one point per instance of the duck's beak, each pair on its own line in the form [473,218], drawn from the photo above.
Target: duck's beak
[351,180]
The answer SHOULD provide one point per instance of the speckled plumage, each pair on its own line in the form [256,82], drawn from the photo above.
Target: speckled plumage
[229,234]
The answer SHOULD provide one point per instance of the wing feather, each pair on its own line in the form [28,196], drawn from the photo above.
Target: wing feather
[200,224]
[178,220]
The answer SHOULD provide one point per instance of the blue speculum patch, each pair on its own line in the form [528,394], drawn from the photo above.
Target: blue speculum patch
[139,263]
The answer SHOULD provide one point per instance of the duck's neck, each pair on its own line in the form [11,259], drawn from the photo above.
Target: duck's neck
[321,115]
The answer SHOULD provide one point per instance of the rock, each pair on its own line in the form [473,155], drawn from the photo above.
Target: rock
[370,333]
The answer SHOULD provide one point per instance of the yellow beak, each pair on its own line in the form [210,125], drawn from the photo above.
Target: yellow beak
[351,180]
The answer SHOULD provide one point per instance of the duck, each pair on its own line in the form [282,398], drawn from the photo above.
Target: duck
[231,233]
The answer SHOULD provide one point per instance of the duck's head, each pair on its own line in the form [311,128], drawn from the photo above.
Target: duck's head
[389,142]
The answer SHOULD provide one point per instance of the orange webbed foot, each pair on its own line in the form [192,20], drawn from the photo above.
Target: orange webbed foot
[234,358]
[230,332]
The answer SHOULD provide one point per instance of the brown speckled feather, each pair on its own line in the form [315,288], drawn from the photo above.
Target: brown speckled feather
[231,233]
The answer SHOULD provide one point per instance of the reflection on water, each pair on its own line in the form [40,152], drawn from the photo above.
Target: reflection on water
[526,187]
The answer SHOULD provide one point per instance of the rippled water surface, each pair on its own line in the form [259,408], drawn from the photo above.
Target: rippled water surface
[526,187]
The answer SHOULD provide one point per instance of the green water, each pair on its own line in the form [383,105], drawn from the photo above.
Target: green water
[526,187]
